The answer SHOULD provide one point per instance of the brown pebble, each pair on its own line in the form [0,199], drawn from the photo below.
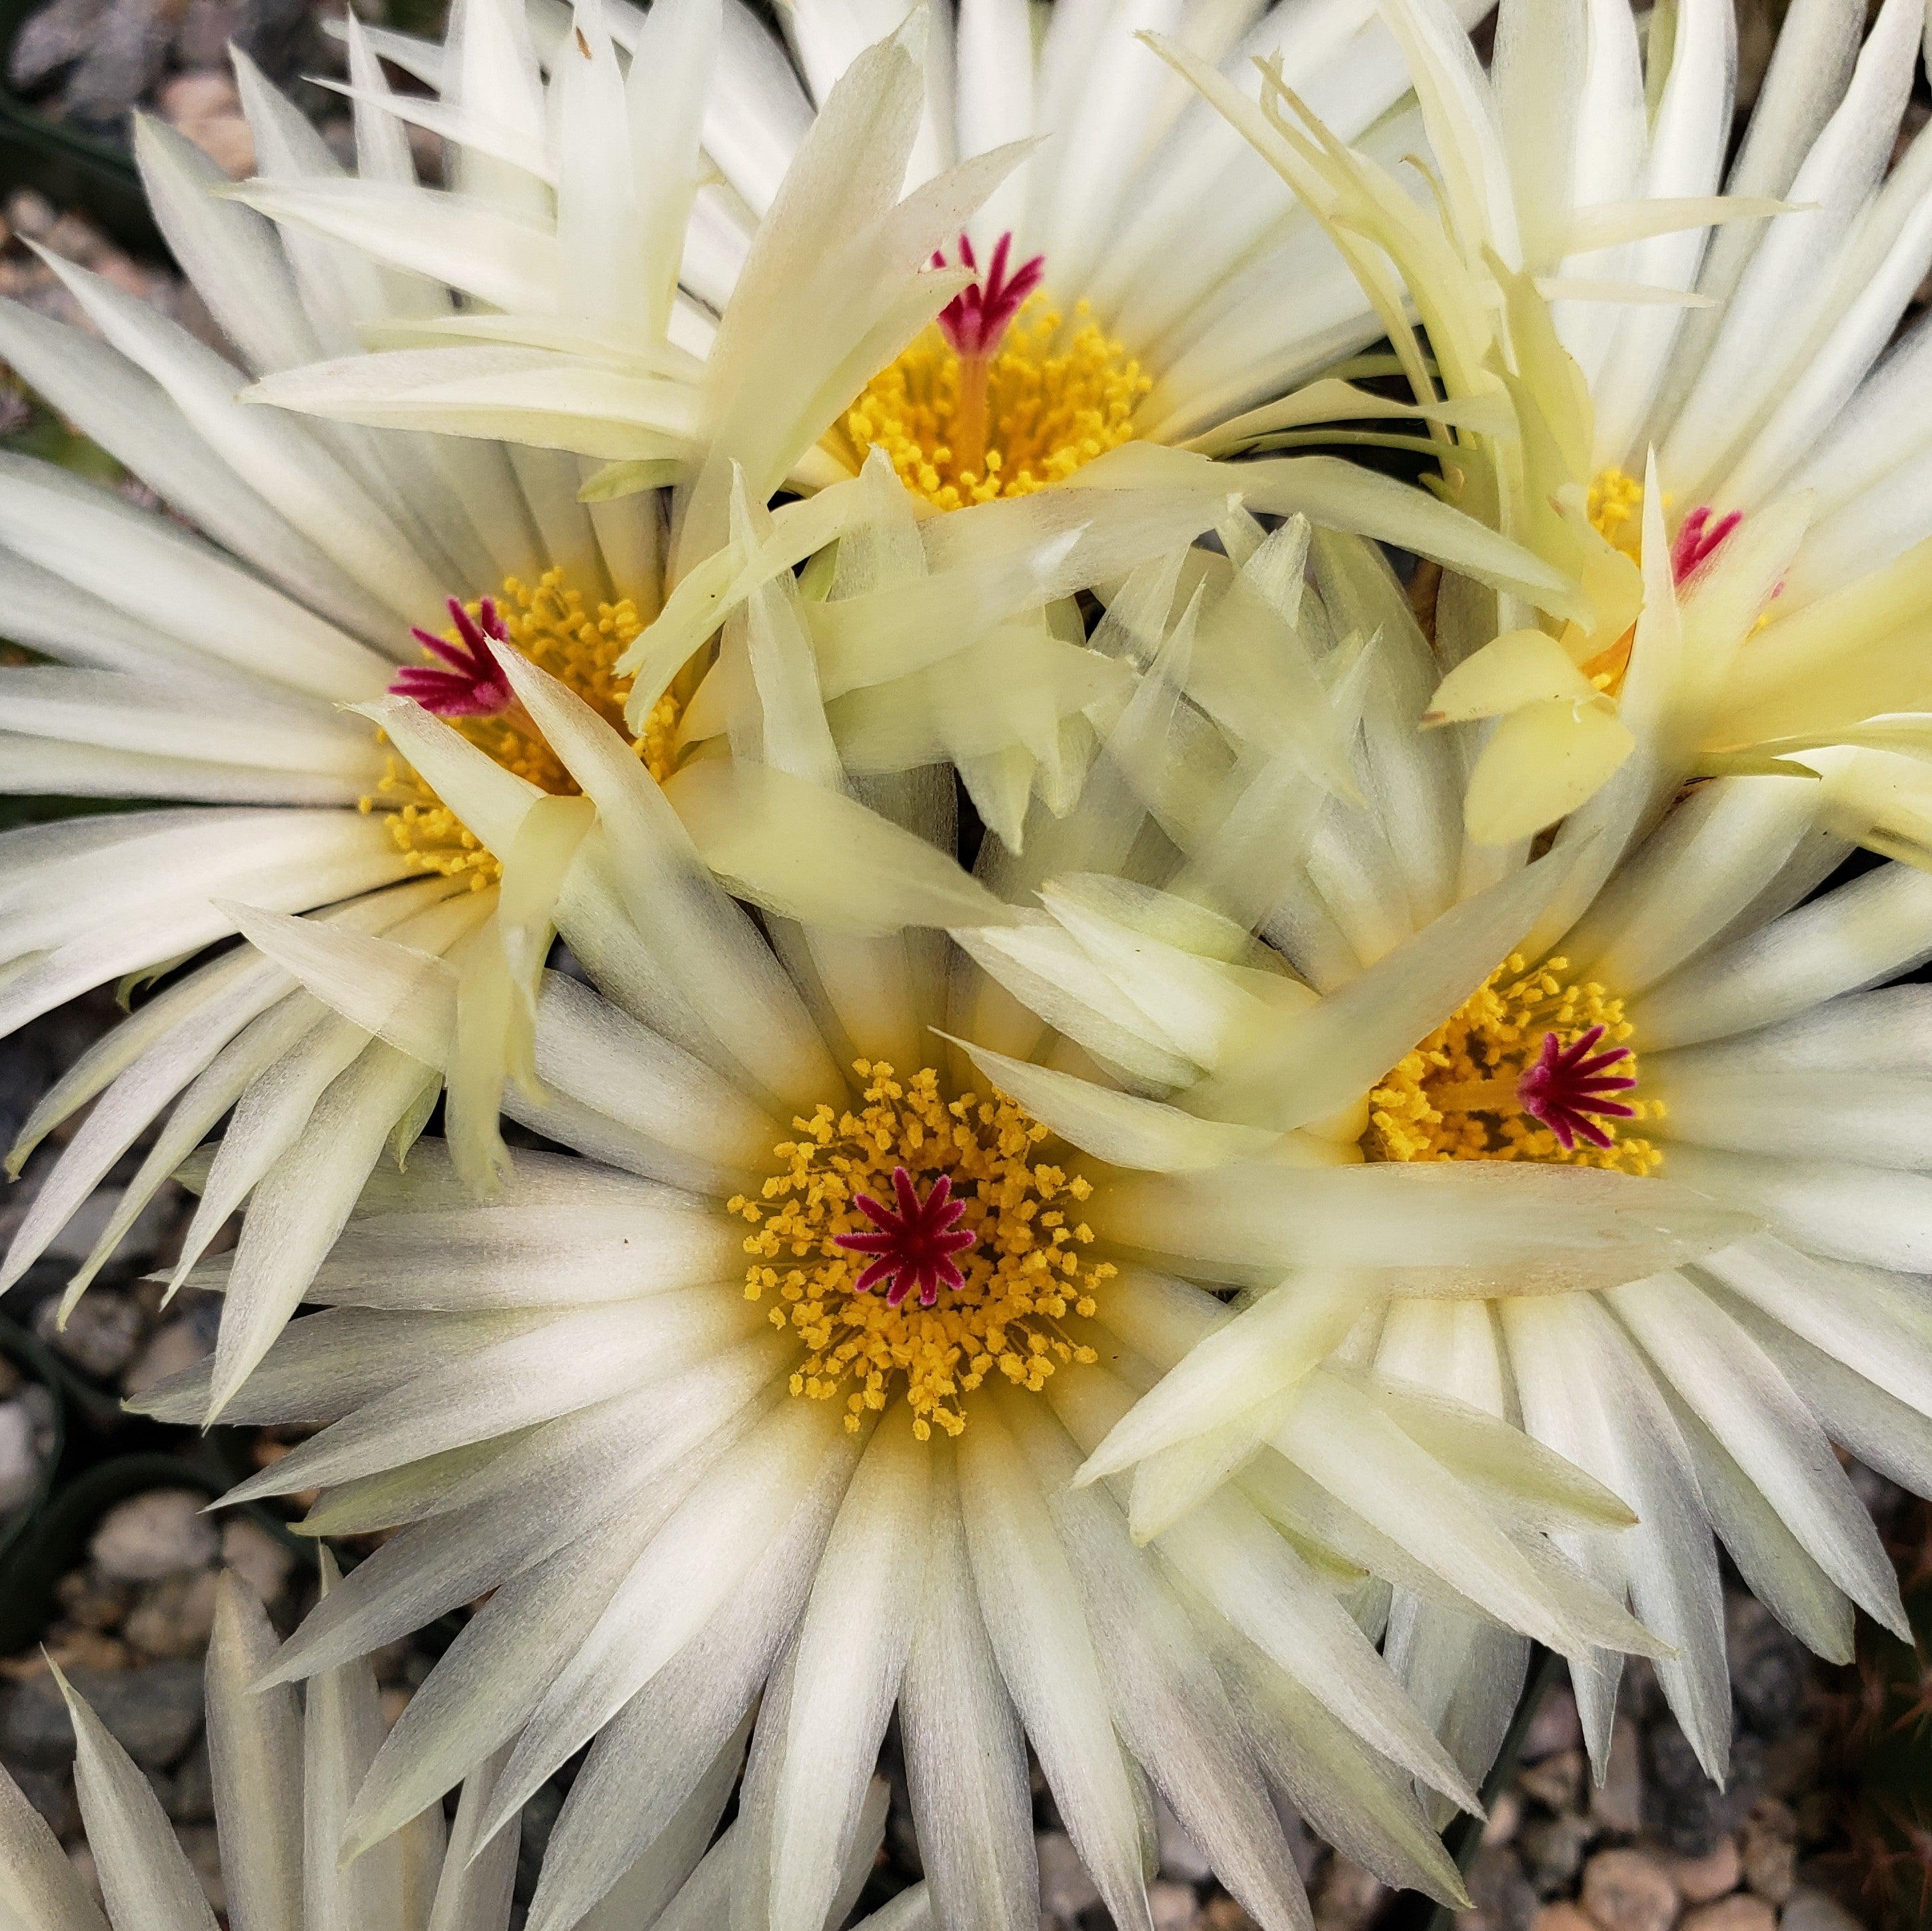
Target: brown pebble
[227,140]
[1739,1913]
[1625,1890]
[1565,1917]
[1699,1880]
[1771,1850]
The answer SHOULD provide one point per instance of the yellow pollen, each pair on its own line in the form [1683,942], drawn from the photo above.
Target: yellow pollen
[1452,1098]
[1616,509]
[1055,394]
[1025,1273]
[549,624]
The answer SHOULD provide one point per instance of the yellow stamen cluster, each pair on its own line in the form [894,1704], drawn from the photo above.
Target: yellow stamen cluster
[1025,1273]
[549,624]
[1057,395]
[1452,1098]
[1616,509]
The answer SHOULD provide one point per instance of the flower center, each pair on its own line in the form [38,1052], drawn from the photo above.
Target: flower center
[1533,1067]
[910,1190]
[1616,510]
[463,684]
[1004,396]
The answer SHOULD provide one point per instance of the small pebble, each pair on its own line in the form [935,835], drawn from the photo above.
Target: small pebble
[1738,1913]
[179,1345]
[101,1334]
[1173,1907]
[1180,1857]
[1555,1726]
[1065,1888]
[156,1534]
[1625,1890]
[154,1713]
[1812,1911]
[1565,1917]
[1770,1859]
[175,1616]
[1699,1880]
[1556,1781]
[263,1563]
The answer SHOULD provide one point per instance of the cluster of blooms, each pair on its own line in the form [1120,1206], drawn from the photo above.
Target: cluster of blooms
[1145,1145]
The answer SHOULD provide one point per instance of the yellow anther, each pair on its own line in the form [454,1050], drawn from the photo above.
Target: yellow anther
[1057,393]
[1451,1098]
[550,624]
[1007,1314]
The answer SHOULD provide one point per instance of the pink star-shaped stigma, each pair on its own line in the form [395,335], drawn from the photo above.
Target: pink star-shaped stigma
[474,686]
[1698,541]
[976,317]
[915,1246]
[1569,1084]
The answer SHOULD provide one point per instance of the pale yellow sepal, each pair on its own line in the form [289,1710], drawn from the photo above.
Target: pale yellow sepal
[1540,763]
[1521,667]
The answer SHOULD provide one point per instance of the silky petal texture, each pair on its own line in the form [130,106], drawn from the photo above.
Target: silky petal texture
[301,1204]
[771,837]
[38,1884]
[1618,1427]
[255,1752]
[1768,1432]
[1174,1715]
[713,1539]
[703,938]
[1027,1596]
[851,1648]
[966,1761]
[1469,1227]
[144,1874]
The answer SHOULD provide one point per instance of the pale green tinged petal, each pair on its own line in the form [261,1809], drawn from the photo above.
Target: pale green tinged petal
[1172,1709]
[342,1730]
[1516,1477]
[646,1760]
[807,852]
[144,1875]
[515,395]
[506,1515]
[254,1746]
[507,262]
[160,575]
[1584,1392]
[706,944]
[584,1355]
[1045,969]
[39,1886]
[1455,1227]
[1397,1485]
[1322,1058]
[799,1460]
[1736,1393]
[301,1203]
[1030,1602]
[851,1648]
[1247,1357]
[966,1759]
[325,1366]
[280,460]
[1255,1579]
[1357,1801]
[1119,1128]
